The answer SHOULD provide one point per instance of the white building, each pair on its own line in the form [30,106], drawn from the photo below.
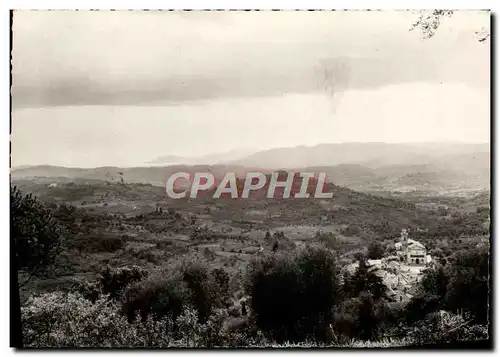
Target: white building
[415,252]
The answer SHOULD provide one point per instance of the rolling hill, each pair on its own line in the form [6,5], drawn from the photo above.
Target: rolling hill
[361,166]
[373,155]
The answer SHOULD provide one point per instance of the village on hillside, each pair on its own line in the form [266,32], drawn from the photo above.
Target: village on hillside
[400,272]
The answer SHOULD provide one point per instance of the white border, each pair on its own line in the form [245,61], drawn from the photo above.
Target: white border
[175,4]
[249,4]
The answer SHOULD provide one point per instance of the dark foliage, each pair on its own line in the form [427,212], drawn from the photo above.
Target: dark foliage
[364,280]
[292,296]
[460,286]
[113,281]
[34,232]
[168,292]
[159,294]
[375,250]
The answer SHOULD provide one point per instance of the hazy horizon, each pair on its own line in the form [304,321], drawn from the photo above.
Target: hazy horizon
[250,152]
[93,89]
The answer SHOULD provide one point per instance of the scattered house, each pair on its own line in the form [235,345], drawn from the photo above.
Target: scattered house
[392,258]
[374,263]
[398,245]
[52,185]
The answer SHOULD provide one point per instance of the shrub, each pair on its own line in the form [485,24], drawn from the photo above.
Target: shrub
[90,290]
[360,317]
[221,280]
[468,287]
[444,327]
[292,295]
[169,293]
[328,239]
[204,289]
[161,294]
[113,281]
[91,244]
[462,284]
[375,250]
[351,230]
[69,320]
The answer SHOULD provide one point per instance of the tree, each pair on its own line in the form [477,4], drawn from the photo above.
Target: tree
[360,317]
[375,250]
[268,236]
[461,286]
[428,21]
[292,295]
[35,234]
[221,281]
[431,294]
[468,287]
[364,280]
[435,282]
[34,244]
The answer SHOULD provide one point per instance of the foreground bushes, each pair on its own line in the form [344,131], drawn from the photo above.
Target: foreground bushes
[69,320]
[294,297]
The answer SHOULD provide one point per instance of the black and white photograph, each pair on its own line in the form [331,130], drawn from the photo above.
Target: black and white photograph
[251,179]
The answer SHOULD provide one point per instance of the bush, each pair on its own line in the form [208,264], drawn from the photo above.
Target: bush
[468,287]
[329,240]
[461,285]
[160,294]
[443,327]
[69,320]
[292,295]
[203,290]
[169,293]
[351,230]
[90,290]
[221,280]
[361,317]
[113,281]
[375,250]
[91,244]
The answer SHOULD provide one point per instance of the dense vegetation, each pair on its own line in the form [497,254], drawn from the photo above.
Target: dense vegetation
[291,299]
[180,294]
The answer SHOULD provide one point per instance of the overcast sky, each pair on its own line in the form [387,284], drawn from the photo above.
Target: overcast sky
[122,88]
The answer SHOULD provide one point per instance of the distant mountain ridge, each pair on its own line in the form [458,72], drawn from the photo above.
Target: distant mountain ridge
[211,159]
[359,166]
[372,155]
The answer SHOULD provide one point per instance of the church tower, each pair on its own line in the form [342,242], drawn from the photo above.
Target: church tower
[404,237]
[404,242]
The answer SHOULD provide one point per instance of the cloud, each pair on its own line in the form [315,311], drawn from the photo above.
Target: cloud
[92,136]
[166,58]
